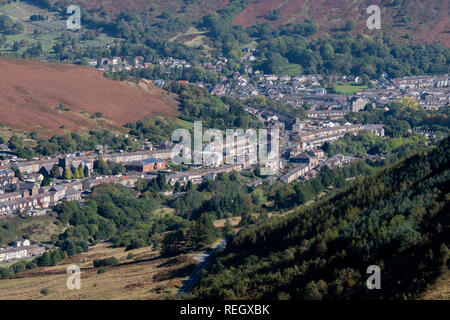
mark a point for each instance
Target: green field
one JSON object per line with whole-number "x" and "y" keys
{"x": 185, "y": 124}
{"x": 349, "y": 88}
{"x": 291, "y": 70}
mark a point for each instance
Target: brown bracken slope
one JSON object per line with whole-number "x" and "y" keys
{"x": 31, "y": 91}
{"x": 422, "y": 20}
{"x": 192, "y": 9}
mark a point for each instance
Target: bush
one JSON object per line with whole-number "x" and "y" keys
{"x": 45, "y": 291}
{"x": 111, "y": 261}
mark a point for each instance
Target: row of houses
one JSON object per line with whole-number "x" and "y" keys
{"x": 294, "y": 174}
{"x": 25, "y": 201}
{"x": 333, "y": 114}
{"x": 309, "y": 140}
{"x": 339, "y": 160}
{"x": 5, "y": 173}
{"x": 197, "y": 176}
{"x": 88, "y": 160}
{"x": 434, "y": 81}
{"x": 22, "y": 248}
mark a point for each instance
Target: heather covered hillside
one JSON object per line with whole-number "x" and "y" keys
{"x": 48, "y": 98}
{"x": 421, "y": 21}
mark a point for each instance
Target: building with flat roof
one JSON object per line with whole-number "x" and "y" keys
{"x": 358, "y": 104}
{"x": 146, "y": 165}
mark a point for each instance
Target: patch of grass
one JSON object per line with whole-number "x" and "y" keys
{"x": 440, "y": 289}
{"x": 292, "y": 70}
{"x": 349, "y": 88}
{"x": 164, "y": 211}
{"x": 38, "y": 229}
{"x": 183, "y": 124}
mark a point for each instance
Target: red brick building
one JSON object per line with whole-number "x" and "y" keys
{"x": 146, "y": 165}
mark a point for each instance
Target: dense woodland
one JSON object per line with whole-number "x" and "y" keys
{"x": 396, "y": 218}
{"x": 347, "y": 54}
{"x": 196, "y": 104}
{"x": 368, "y": 143}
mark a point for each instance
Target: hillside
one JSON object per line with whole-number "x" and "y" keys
{"x": 422, "y": 20}
{"x": 193, "y": 9}
{"x": 396, "y": 219}
{"x": 140, "y": 274}
{"x": 440, "y": 289}
{"x": 43, "y": 97}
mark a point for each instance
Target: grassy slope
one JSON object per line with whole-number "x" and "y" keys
{"x": 440, "y": 289}
{"x": 38, "y": 229}
{"x": 145, "y": 276}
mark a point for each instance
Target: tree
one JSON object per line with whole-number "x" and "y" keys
{"x": 44, "y": 260}
{"x": 204, "y": 231}
{"x": 365, "y": 79}
{"x": 175, "y": 242}
{"x": 46, "y": 182}
{"x": 258, "y": 197}
{"x": 135, "y": 244}
{"x": 141, "y": 185}
{"x": 55, "y": 257}
{"x": 161, "y": 181}
{"x": 100, "y": 166}
{"x": 55, "y": 173}
{"x": 67, "y": 174}
{"x": 153, "y": 186}
{"x": 16, "y": 46}
{"x": 8, "y": 27}
{"x": 75, "y": 174}
{"x": 312, "y": 292}
{"x": 81, "y": 171}
{"x": 177, "y": 187}
{"x": 273, "y": 15}
{"x": 350, "y": 25}
{"x": 17, "y": 173}
{"x": 86, "y": 172}
{"x": 227, "y": 229}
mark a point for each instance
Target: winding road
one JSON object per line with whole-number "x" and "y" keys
{"x": 206, "y": 260}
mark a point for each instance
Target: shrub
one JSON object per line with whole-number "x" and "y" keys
{"x": 111, "y": 261}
